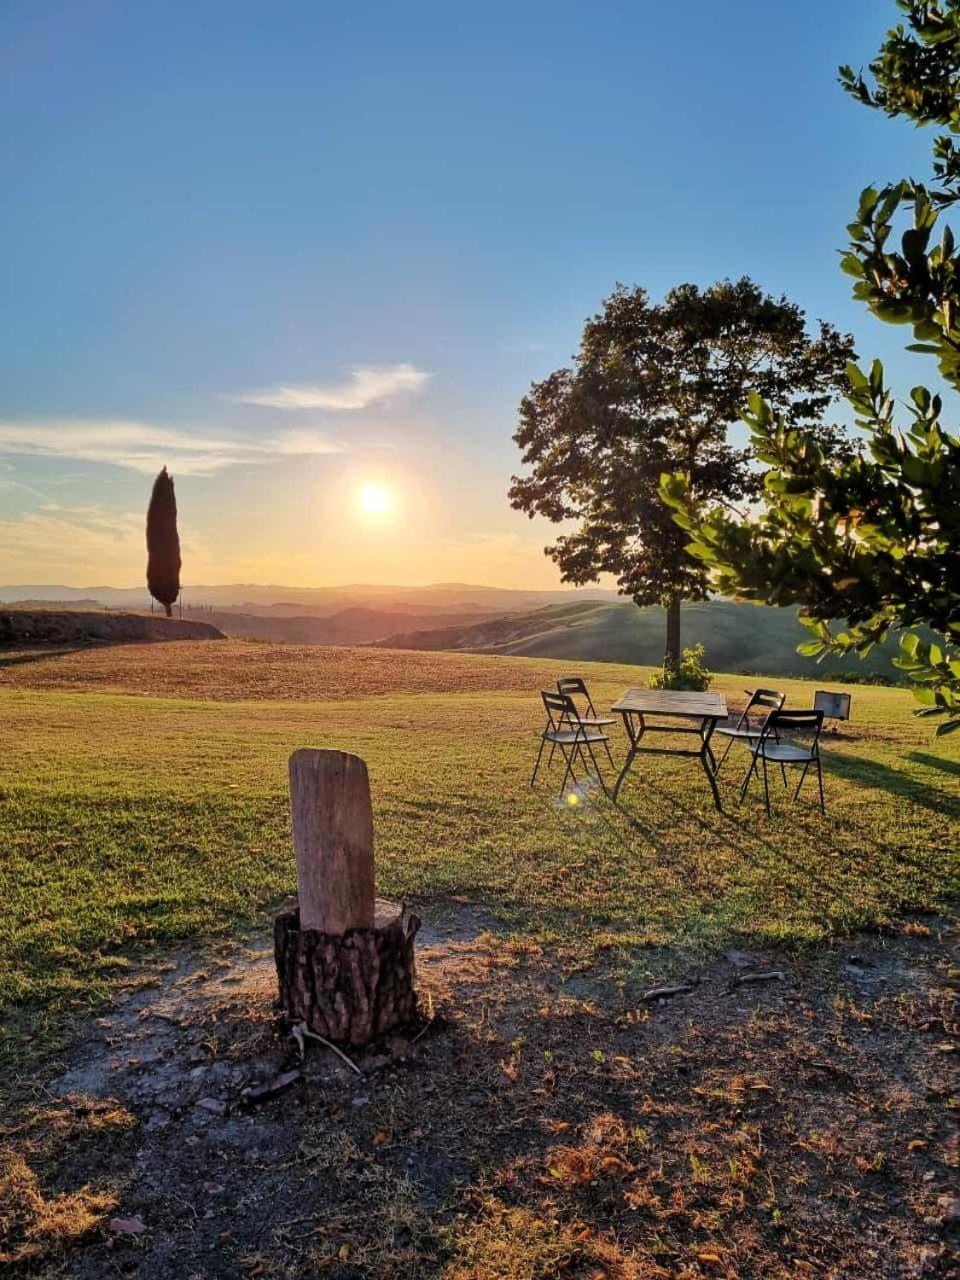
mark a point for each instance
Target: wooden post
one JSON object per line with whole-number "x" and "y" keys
{"x": 332, "y": 840}
{"x": 345, "y": 963}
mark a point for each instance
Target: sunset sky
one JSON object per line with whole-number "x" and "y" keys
{"x": 310, "y": 256}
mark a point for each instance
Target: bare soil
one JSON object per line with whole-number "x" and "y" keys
{"x": 536, "y": 1123}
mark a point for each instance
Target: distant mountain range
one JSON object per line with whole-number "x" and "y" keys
{"x": 450, "y": 598}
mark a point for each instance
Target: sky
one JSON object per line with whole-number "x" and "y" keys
{"x": 311, "y": 256}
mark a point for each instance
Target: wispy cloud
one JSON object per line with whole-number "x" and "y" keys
{"x": 140, "y": 446}
{"x": 364, "y": 386}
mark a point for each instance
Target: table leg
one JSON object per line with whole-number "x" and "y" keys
{"x": 634, "y": 737}
{"x": 709, "y": 762}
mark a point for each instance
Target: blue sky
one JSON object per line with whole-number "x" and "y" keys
{"x": 296, "y": 249}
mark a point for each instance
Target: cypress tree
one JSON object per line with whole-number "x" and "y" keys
{"x": 163, "y": 543}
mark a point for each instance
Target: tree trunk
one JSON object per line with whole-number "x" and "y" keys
{"x": 353, "y": 987}
{"x": 672, "y": 654}
{"x": 345, "y": 963}
{"x": 332, "y": 839}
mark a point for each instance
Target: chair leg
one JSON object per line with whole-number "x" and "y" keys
{"x": 766, "y": 786}
{"x": 747, "y": 776}
{"x": 726, "y": 752}
{"x": 596, "y": 767}
{"x": 537, "y": 765}
{"x": 796, "y": 794}
{"x": 609, "y": 755}
{"x": 569, "y": 770}
{"x": 823, "y": 806}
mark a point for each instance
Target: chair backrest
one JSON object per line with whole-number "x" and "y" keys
{"x": 769, "y": 699}
{"x": 559, "y": 707}
{"x": 800, "y": 724}
{"x": 576, "y": 684}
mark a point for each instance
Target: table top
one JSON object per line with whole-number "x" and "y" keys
{"x": 672, "y": 702}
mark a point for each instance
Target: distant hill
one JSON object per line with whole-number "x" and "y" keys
{"x": 28, "y": 628}
{"x": 348, "y": 626}
{"x": 737, "y": 637}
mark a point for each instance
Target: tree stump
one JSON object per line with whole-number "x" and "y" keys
{"x": 350, "y": 987}
{"x": 345, "y": 961}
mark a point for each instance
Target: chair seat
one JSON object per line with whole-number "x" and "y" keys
{"x": 567, "y": 737}
{"x": 731, "y": 732}
{"x": 785, "y": 753}
{"x": 597, "y": 720}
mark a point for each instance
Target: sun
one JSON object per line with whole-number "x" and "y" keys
{"x": 375, "y": 499}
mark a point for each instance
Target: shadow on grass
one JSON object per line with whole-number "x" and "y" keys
{"x": 19, "y": 659}
{"x": 936, "y": 762}
{"x": 897, "y": 783}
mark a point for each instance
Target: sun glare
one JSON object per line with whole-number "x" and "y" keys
{"x": 375, "y": 499}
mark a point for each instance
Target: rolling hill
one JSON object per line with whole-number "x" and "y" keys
{"x": 737, "y": 637}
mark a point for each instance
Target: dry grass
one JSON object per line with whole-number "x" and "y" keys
{"x": 242, "y": 670}
{"x": 37, "y": 1224}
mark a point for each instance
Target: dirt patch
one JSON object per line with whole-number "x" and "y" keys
{"x": 539, "y": 1127}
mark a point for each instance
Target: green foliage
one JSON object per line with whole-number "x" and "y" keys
{"x": 689, "y": 673}
{"x": 655, "y": 388}
{"x": 873, "y": 539}
{"x": 163, "y": 543}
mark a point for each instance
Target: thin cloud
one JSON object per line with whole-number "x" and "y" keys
{"x": 139, "y": 446}
{"x": 365, "y": 386}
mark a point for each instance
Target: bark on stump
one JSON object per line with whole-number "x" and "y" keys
{"x": 351, "y": 987}
{"x": 345, "y": 963}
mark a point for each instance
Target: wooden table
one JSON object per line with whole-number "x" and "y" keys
{"x": 636, "y": 706}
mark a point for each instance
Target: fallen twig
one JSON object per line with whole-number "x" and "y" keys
{"x": 302, "y": 1032}
{"x": 748, "y": 979}
{"x": 664, "y": 993}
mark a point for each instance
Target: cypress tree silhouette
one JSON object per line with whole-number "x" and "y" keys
{"x": 163, "y": 543}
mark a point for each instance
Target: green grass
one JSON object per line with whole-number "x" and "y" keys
{"x": 132, "y": 821}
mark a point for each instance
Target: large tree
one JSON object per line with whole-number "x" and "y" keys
{"x": 163, "y": 543}
{"x": 655, "y": 387}
{"x": 874, "y": 542}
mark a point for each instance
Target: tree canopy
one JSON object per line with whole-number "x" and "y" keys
{"x": 875, "y": 539}
{"x": 655, "y": 387}
{"x": 163, "y": 543}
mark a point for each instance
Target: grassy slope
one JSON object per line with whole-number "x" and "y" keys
{"x": 128, "y": 820}
{"x": 737, "y": 637}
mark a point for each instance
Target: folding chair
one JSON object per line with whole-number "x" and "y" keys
{"x": 745, "y": 730}
{"x": 775, "y": 743}
{"x": 566, "y": 731}
{"x": 576, "y": 686}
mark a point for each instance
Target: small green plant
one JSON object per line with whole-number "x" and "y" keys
{"x": 688, "y": 673}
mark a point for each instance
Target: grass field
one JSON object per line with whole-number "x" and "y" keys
{"x": 552, "y": 1125}
{"x": 129, "y": 820}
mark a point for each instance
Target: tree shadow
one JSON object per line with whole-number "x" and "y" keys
{"x": 936, "y": 762}
{"x": 20, "y": 658}
{"x": 895, "y": 782}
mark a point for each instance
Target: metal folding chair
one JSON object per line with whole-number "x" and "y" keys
{"x": 745, "y": 729}
{"x": 566, "y": 732}
{"x": 777, "y": 742}
{"x": 576, "y": 687}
